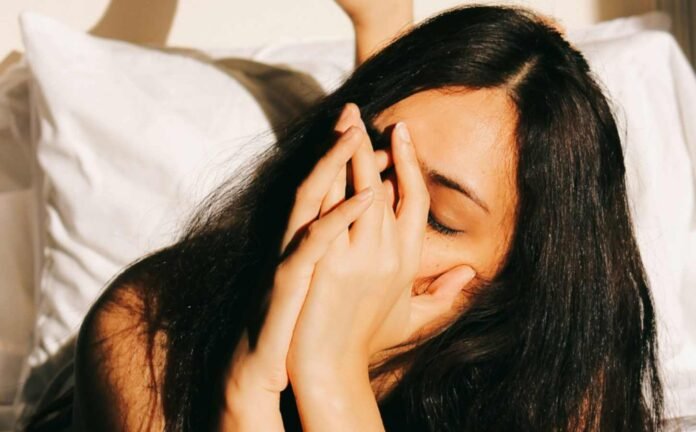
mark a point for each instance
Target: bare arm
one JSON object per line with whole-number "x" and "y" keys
{"x": 118, "y": 383}
{"x": 376, "y": 23}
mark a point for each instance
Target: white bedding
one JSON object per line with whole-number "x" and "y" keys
{"x": 97, "y": 105}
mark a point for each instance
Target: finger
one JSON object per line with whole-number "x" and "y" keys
{"x": 336, "y": 194}
{"x": 320, "y": 233}
{"x": 348, "y": 117}
{"x": 293, "y": 276}
{"x": 312, "y": 191}
{"x": 365, "y": 174}
{"x": 439, "y": 302}
{"x": 383, "y": 159}
{"x": 390, "y": 233}
{"x": 391, "y": 190}
{"x": 414, "y": 200}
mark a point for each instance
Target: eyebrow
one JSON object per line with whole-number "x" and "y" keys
{"x": 381, "y": 140}
{"x": 448, "y": 182}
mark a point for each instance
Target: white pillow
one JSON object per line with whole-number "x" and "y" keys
{"x": 620, "y": 27}
{"x": 654, "y": 90}
{"x": 131, "y": 138}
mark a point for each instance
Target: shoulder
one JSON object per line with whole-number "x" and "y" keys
{"x": 119, "y": 359}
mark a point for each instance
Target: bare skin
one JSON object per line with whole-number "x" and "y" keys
{"x": 468, "y": 137}
{"x": 376, "y": 23}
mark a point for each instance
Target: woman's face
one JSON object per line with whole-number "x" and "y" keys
{"x": 466, "y": 148}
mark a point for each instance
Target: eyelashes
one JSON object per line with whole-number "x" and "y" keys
{"x": 442, "y": 229}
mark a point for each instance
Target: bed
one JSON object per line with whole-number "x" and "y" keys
{"x": 105, "y": 146}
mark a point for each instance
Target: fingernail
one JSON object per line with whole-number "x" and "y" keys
{"x": 364, "y": 194}
{"x": 403, "y": 132}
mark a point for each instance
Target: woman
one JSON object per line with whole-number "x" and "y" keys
{"x": 483, "y": 276}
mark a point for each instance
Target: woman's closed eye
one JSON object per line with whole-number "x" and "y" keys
{"x": 439, "y": 227}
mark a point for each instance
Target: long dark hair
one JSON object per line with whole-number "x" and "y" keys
{"x": 564, "y": 336}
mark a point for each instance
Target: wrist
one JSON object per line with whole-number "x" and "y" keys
{"x": 325, "y": 367}
{"x": 337, "y": 398}
{"x": 246, "y": 395}
{"x": 330, "y": 381}
{"x": 251, "y": 411}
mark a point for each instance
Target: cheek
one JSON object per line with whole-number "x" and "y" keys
{"x": 440, "y": 254}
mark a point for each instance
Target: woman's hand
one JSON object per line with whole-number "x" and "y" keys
{"x": 360, "y": 298}
{"x": 256, "y": 378}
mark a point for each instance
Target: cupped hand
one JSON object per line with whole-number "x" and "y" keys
{"x": 360, "y": 296}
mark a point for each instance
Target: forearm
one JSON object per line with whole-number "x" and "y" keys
{"x": 373, "y": 33}
{"x": 337, "y": 400}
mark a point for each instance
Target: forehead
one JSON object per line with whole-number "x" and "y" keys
{"x": 465, "y": 134}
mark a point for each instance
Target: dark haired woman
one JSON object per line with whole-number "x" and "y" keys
{"x": 442, "y": 243}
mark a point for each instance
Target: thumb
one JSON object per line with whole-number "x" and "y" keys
{"x": 437, "y": 302}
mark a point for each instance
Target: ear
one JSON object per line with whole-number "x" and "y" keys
{"x": 437, "y": 302}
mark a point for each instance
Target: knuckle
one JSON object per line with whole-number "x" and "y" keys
{"x": 265, "y": 371}
{"x": 379, "y": 195}
{"x": 314, "y": 231}
{"x": 390, "y": 265}
{"x": 276, "y": 379}
{"x": 349, "y": 135}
